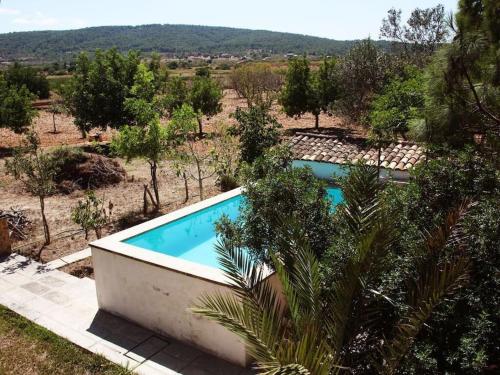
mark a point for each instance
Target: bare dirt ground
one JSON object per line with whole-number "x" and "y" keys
{"x": 127, "y": 211}
{"x": 125, "y": 196}
{"x": 68, "y": 134}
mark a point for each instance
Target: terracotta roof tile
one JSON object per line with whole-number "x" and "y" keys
{"x": 330, "y": 149}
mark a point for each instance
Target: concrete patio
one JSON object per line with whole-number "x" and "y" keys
{"x": 67, "y": 306}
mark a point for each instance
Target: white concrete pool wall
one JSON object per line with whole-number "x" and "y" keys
{"x": 157, "y": 290}
{"x": 327, "y": 171}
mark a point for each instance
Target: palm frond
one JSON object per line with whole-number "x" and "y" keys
{"x": 256, "y": 328}
{"x": 437, "y": 279}
{"x": 434, "y": 285}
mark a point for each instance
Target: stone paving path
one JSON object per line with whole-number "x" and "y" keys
{"x": 67, "y": 306}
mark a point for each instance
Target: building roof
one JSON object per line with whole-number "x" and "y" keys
{"x": 399, "y": 155}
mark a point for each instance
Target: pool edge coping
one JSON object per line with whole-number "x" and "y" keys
{"x": 113, "y": 243}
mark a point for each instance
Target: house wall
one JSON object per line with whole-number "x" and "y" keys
{"x": 160, "y": 299}
{"x": 327, "y": 171}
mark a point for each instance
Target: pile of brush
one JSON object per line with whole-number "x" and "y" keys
{"x": 19, "y": 224}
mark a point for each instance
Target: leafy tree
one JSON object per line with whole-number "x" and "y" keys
{"x": 149, "y": 142}
{"x": 464, "y": 78}
{"x": 56, "y": 108}
{"x": 18, "y": 76}
{"x": 307, "y": 91}
{"x": 285, "y": 331}
{"x": 401, "y": 102}
{"x": 226, "y": 157}
{"x": 90, "y": 214}
{"x": 297, "y": 91}
{"x": 177, "y": 94}
{"x": 257, "y": 131}
{"x": 96, "y": 94}
{"x": 257, "y": 83}
{"x": 461, "y": 337}
{"x": 301, "y": 327}
{"x": 325, "y": 87}
{"x": 190, "y": 151}
{"x": 276, "y": 187}
{"x": 362, "y": 73}
{"x": 36, "y": 170}
{"x": 425, "y": 32}
{"x": 160, "y": 74}
{"x": 16, "y": 111}
{"x": 205, "y": 98}
{"x": 204, "y": 71}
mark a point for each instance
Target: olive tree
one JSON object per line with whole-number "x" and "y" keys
{"x": 16, "y": 111}
{"x": 36, "y": 170}
{"x": 205, "y": 98}
{"x": 257, "y": 83}
{"x": 193, "y": 153}
{"x": 151, "y": 143}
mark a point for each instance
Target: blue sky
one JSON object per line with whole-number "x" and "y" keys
{"x": 336, "y": 19}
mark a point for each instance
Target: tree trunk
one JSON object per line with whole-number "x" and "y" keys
{"x": 186, "y": 188}
{"x": 200, "y": 179}
{"x": 54, "y": 122}
{"x": 98, "y": 232}
{"x": 154, "y": 181}
{"x": 378, "y": 161}
{"x": 46, "y": 231}
{"x": 145, "y": 201}
{"x": 316, "y": 123}
{"x": 84, "y": 133}
{"x": 200, "y": 127}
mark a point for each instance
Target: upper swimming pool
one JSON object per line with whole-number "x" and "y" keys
{"x": 193, "y": 236}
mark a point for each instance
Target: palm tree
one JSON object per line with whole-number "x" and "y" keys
{"x": 297, "y": 326}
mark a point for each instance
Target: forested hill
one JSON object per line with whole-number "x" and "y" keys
{"x": 179, "y": 39}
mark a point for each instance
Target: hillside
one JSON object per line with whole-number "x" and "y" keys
{"x": 177, "y": 39}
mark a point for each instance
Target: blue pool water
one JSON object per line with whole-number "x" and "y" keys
{"x": 193, "y": 237}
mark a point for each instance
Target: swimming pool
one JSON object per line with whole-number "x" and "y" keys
{"x": 193, "y": 237}
{"x": 153, "y": 273}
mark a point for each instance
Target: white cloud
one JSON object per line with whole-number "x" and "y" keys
{"x": 36, "y": 20}
{"x": 9, "y": 11}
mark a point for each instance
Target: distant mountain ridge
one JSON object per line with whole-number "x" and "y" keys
{"x": 174, "y": 39}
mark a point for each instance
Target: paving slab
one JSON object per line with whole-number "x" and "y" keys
{"x": 67, "y": 306}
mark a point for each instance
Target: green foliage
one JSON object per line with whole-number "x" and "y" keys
{"x": 97, "y": 92}
{"x": 286, "y": 331}
{"x": 151, "y": 143}
{"x": 326, "y": 85}
{"x": 424, "y": 32}
{"x": 160, "y": 73}
{"x": 401, "y": 102}
{"x": 177, "y": 94}
{"x": 16, "y": 112}
{"x": 226, "y": 157}
{"x": 90, "y": 214}
{"x": 190, "y": 153}
{"x": 205, "y": 98}
{"x": 293, "y": 193}
{"x": 348, "y": 319}
{"x": 464, "y": 78}
{"x": 297, "y": 92}
{"x": 257, "y": 131}
{"x": 462, "y": 335}
{"x": 204, "y": 71}
{"x": 307, "y": 91}
{"x": 362, "y": 73}
{"x": 175, "y": 39}
{"x": 18, "y": 76}
{"x": 36, "y": 170}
